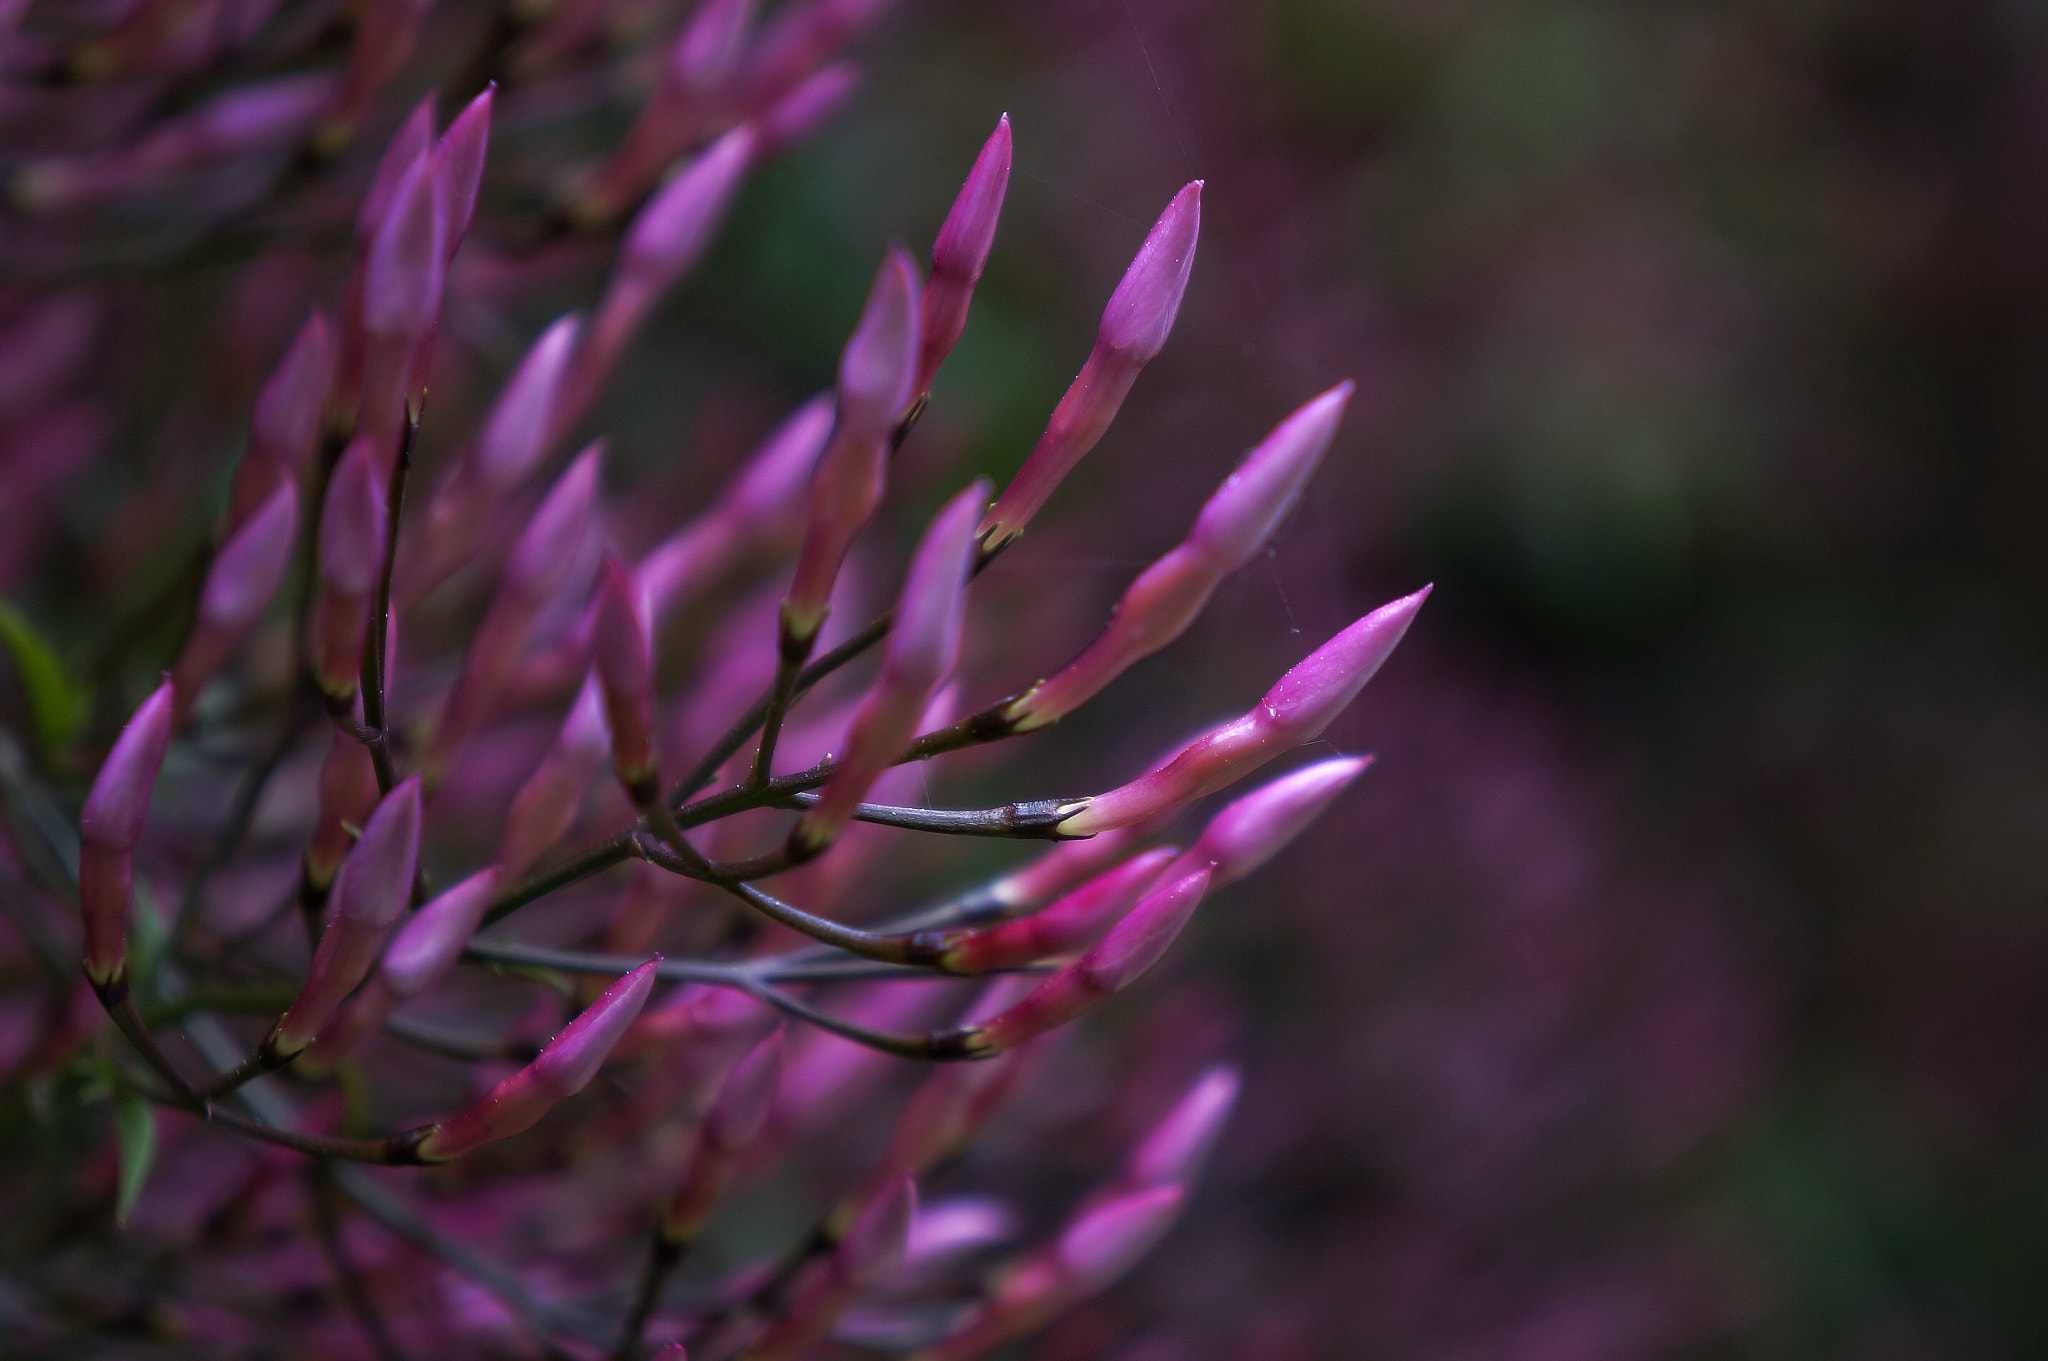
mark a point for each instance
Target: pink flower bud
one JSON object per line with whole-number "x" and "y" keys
{"x": 1077, "y": 920}
{"x": 239, "y": 583}
{"x": 1296, "y": 710}
{"x": 1251, "y": 831}
{"x": 539, "y": 563}
{"x": 546, "y": 805}
{"x": 1060, "y": 867}
{"x": 458, "y": 168}
{"x": 712, "y": 43}
{"x": 924, "y": 643}
{"x": 805, "y": 109}
{"x": 352, "y": 528}
{"x": 875, "y": 372}
{"x": 799, "y": 38}
{"x": 110, "y": 825}
{"x": 1168, "y": 595}
{"x": 413, "y": 141}
{"x": 625, "y": 670}
{"x": 430, "y": 942}
{"x": 730, "y": 1128}
{"x": 514, "y": 435}
{"x": 663, "y": 242}
{"x": 870, "y": 1251}
{"x": 947, "y": 1233}
{"x": 370, "y": 894}
{"x": 285, "y": 429}
{"x": 961, "y": 251}
{"x": 1175, "y": 1148}
{"x": 1132, "y": 946}
{"x": 564, "y": 1067}
{"x": 762, "y": 502}
{"x": 953, "y": 1102}
{"x": 403, "y": 273}
{"x": 1134, "y": 329}
{"x": 348, "y": 791}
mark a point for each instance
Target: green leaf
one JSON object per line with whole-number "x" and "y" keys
{"x": 135, "y": 1128}
{"x": 56, "y": 707}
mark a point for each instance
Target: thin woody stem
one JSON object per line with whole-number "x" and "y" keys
{"x": 239, "y": 817}
{"x": 789, "y": 667}
{"x": 775, "y": 969}
{"x": 377, "y": 655}
{"x": 327, "y": 1223}
{"x": 664, "y": 1254}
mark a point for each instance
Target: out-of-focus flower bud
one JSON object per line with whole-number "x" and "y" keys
{"x": 348, "y": 791}
{"x": 370, "y": 893}
{"x": 1173, "y": 1151}
{"x": 564, "y": 1067}
{"x": 798, "y": 39}
{"x": 733, "y": 1123}
{"x": 458, "y": 169}
{"x": 1252, "y": 830}
{"x": 110, "y": 825}
{"x": 665, "y": 240}
{"x": 1168, "y": 595}
{"x": 1296, "y": 710}
{"x": 239, "y": 583}
{"x": 351, "y": 553}
{"x": 1075, "y": 921}
{"x": 924, "y": 643}
{"x": 1132, "y": 946}
{"x": 875, "y": 373}
{"x": 1094, "y": 1251}
{"x": 284, "y": 432}
{"x": 539, "y": 563}
{"x": 546, "y": 804}
{"x": 1134, "y": 329}
{"x": 384, "y": 38}
{"x": 625, "y": 671}
{"x": 871, "y": 1250}
{"x": 762, "y": 502}
{"x": 961, "y": 251}
{"x": 804, "y": 110}
{"x": 404, "y": 270}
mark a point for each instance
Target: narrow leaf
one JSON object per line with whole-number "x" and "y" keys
{"x": 56, "y": 707}
{"x": 135, "y": 1129}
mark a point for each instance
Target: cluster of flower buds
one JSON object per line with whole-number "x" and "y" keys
{"x": 432, "y": 805}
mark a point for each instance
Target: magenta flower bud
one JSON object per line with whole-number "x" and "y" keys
{"x": 370, "y": 893}
{"x": 764, "y": 501}
{"x": 953, "y": 1102}
{"x": 239, "y": 583}
{"x": 875, "y": 373}
{"x": 546, "y": 805}
{"x": 110, "y": 825}
{"x": 538, "y": 565}
{"x": 1059, "y": 867}
{"x": 1134, "y": 329}
{"x": 1077, "y": 920}
{"x": 735, "y": 1121}
{"x": 1255, "y": 828}
{"x": 799, "y": 38}
{"x": 348, "y": 791}
{"x": 285, "y": 429}
{"x": 413, "y": 141}
{"x": 945, "y": 1234}
{"x": 1167, "y": 596}
{"x": 625, "y": 670}
{"x": 352, "y": 528}
{"x": 403, "y": 273}
{"x": 1296, "y": 710}
{"x": 458, "y": 168}
{"x": 867, "y": 1255}
{"x": 564, "y": 1068}
{"x": 961, "y": 251}
{"x": 1132, "y": 946}
{"x": 712, "y": 43}
{"x": 805, "y": 109}
{"x": 924, "y": 643}
{"x": 1173, "y": 1151}
{"x": 663, "y": 242}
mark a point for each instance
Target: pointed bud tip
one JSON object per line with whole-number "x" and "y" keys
{"x": 119, "y": 802}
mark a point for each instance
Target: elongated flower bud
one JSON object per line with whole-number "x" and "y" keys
{"x": 384, "y": 38}
{"x": 625, "y": 670}
{"x": 961, "y": 251}
{"x": 1077, "y": 920}
{"x": 348, "y": 791}
{"x": 239, "y": 583}
{"x": 458, "y": 168}
{"x": 924, "y": 643}
{"x": 1172, "y": 1151}
{"x": 762, "y": 502}
{"x": 539, "y": 563}
{"x": 424, "y": 949}
{"x": 1134, "y": 329}
{"x": 110, "y": 825}
{"x": 351, "y": 544}
{"x": 875, "y": 373}
{"x": 403, "y": 273}
{"x": 666, "y": 238}
{"x": 1252, "y": 830}
{"x": 1132, "y": 946}
{"x": 413, "y": 141}
{"x": 1296, "y": 710}
{"x": 733, "y": 1123}
{"x": 546, "y": 805}
{"x": 1056, "y": 869}
{"x": 1167, "y": 596}
{"x": 868, "y": 1253}
{"x": 370, "y": 893}
{"x": 805, "y": 109}
{"x": 799, "y": 37}
{"x": 1094, "y": 1251}
{"x": 285, "y": 429}
{"x": 564, "y": 1068}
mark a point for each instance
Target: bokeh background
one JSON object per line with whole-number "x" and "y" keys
{"x": 1676, "y": 984}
